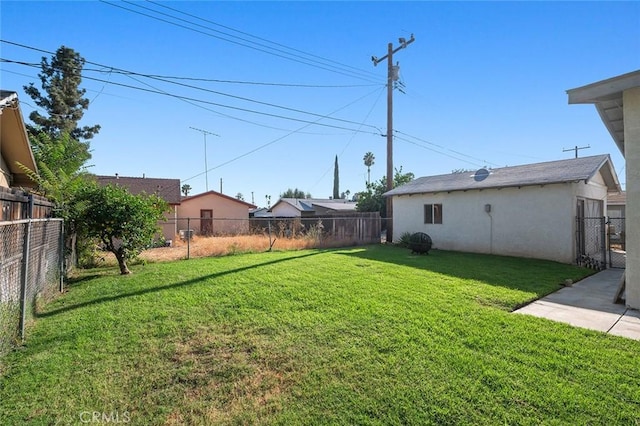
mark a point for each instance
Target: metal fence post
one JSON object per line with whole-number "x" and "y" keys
{"x": 188, "y": 237}
{"x": 25, "y": 277}
{"x": 603, "y": 235}
{"x": 61, "y": 256}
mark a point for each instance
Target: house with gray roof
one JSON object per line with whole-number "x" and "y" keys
{"x": 526, "y": 211}
{"x": 309, "y": 207}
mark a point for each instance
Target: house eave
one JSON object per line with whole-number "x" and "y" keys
{"x": 607, "y": 96}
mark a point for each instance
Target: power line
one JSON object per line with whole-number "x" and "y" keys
{"x": 444, "y": 148}
{"x": 214, "y": 103}
{"x": 261, "y": 49}
{"x": 436, "y": 151}
{"x": 269, "y": 143}
{"x": 265, "y": 40}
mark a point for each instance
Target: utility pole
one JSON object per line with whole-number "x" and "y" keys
{"x": 576, "y": 148}
{"x": 392, "y": 75}
{"x": 206, "y": 168}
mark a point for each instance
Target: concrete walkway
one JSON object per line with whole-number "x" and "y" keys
{"x": 589, "y": 304}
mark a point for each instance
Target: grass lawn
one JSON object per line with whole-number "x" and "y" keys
{"x": 369, "y": 335}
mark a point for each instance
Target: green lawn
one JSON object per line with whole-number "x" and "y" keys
{"x": 369, "y": 335}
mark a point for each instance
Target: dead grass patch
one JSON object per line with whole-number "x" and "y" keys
{"x": 225, "y": 378}
{"x": 223, "y": 246}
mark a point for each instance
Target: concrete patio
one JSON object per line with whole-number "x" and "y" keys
{"x": 589, "y": 304}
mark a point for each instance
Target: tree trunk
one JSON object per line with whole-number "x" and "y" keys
{"x": 122, "y": 263}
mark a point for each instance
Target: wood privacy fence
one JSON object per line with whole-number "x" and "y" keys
{"x": 343, "y": 230}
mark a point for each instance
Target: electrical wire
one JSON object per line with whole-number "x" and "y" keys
{"x": 218, "y": 104}
{"x": 113, "y": 69}
{"x": 262, "y": 39}
{"x": 232, "y": 41}
{"x": 485, "y": 162}
{"x": 436, "y": 151}
{"x": 350, "y": 139}
{"x": 270, "y": 143}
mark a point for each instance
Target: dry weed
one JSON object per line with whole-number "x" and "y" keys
{"x": 200, "y": 246}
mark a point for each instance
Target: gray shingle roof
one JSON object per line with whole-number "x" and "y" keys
{"x": 167, "y": 189}
{"x": 307, "y": 204}
{"x": 572, "y": 170}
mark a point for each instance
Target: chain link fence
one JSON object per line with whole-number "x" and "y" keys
{"x": 31, "y": 261}
{"x": 268, "y": 232}
{"x": 616, "y": 235}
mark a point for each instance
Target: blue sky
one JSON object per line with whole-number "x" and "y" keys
{"x": 287, "y": 86}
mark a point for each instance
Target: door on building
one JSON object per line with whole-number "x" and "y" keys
{"x": 206, "y": 222}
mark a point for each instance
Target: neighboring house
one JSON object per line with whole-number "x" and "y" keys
{"x": 525, "y": 211}
{"x": 617, "y": 101}
{"x": 616, "y": 203}
{"x": 309, "y": 207}
{"x": 260, "y": 213}
{"x": 167, "y": 189}
{"x": 213, "y": 213}
{"x": 15, "y": 148}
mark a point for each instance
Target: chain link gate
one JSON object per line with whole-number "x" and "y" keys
{"x": 591, "y": 242}
{"x": 617, "y": 244}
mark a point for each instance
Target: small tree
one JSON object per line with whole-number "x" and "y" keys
{"x": 372, "y": 199}
{"x": 124, "y": 223}
{"x": 239, "y": 196}
{"x": 60, "y": 153}
{"x": 186, "y": 188}
{"x": 295, "y": 193}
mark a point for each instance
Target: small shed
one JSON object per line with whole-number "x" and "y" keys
{"x": 526, "y": 211}
{"x": 213, "y": 213}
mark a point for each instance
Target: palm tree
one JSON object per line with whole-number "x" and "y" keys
{"x": 369, "y": 160}
{"x": 185, "y": 189}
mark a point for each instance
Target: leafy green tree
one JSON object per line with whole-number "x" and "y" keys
{"x": 186, "y": 188}
{"x": 62, "y": 99}
{"x": 369, "y": 160}
{"x": 336, "y": 181}
{"x": 295, "y": 193}
{"x": 124, "y": 223}
{"x": 372, "y": 199}
{"x": 239, "y": 196}
{"x": 60, "y": 153}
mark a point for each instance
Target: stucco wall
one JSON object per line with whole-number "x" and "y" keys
{"x": 631, "y": 105}
{"x": 534, "y": 221}
{"x": 168, "y": 228}
{"x": 285, "y": 210}
{"x": 229, "y": 216}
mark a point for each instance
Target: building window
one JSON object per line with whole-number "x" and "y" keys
{"x": 433, "y": 213}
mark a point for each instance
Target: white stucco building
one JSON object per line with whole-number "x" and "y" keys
{"x": 617, "y": 101}
{"x": 525, "y": 211}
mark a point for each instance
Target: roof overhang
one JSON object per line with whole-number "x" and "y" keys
{"x": 607, "y": 97}
{"x": 14, "y": 142}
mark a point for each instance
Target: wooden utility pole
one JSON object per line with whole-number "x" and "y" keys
{"x": 392, "y": 75}
{"x": 576, "y": 148}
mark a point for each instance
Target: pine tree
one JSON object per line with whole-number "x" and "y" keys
{"x": 62, "y": 98}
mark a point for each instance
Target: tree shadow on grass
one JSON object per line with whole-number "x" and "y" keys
{"x": 162, "y": 287}
{"x": 531, "y": 275}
